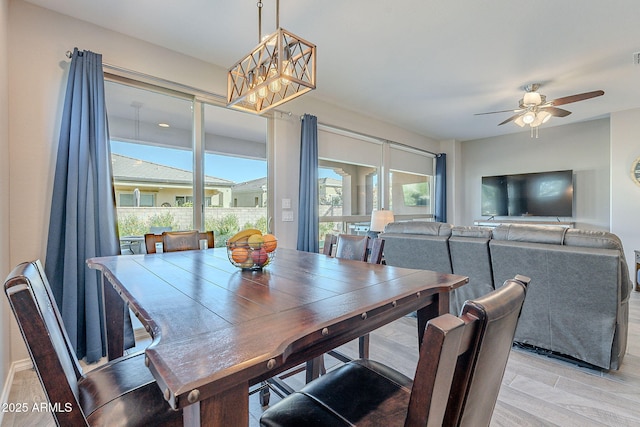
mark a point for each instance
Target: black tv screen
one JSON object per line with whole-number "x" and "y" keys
{"x": 528, "y": 194}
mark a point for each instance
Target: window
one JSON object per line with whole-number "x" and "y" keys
{"x": 129, "y": 200}
{"x": 235, "y": 172}
{"x": 410, "y": 181}
{"x": 184, "y": 201}
{"x": 163, "y": 170}
{"x": 350, "y": 185}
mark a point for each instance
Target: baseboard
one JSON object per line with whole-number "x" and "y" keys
{"x": 17, "y": 366}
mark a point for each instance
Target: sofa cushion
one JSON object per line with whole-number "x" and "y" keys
{"x": 471, "y": 231}
{"x": 592, "y": 239}
{"x": 469, "y": 249}
{"x": 605, "y": 240}
{"x": 548, "y": 234}
{"x": 419, "y": 227}
{"x": 572, "y": 301}
{"x": 417, "y": 251}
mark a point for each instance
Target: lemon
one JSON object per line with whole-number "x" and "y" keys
{"x": 255, "y": 241}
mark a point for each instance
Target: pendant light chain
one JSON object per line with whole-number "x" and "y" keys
{"x": 259, "y": 21}
{"x": 281, "y": 67}
{"x": 259, "y": 4}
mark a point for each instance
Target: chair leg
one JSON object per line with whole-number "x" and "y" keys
{"x": 265, "y": 393}
{"x": 363, "y": 347}
{"x": 315, "y": 368}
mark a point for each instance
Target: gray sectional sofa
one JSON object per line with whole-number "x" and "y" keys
{"x": 577, "y": 301}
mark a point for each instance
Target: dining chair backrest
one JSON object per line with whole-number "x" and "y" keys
{"x": 173, "y": 241}
{"x": 329, "y": 243}
{"x": 121, "y": 391}
{"x": 376, "y": 251}
{"x": 459, "y": 372}
{"x": 352, "y": 247}
{"x": 462, "y": 386}
{"x": 159, "y": 230}
{"x": 40, "y": 322}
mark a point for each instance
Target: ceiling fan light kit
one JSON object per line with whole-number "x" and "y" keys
{"x": 534, "y": 110}
{"x": 281, "y": 68}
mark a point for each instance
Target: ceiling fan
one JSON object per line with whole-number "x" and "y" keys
{"x": 534, "y": 109}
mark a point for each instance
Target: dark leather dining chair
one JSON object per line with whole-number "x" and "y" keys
{"x": 349, "y": 246}
{"x": 377, "y": 247}
{"x": 329, "y": 243}
{"x": 173, "y": 241}
{"x": 458, "y": 376}
{"x": 356, "y": 248}
{"x": 121, "y": 392}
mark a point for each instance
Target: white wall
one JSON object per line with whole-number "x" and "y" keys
{"x": 37, "y": 76}
{"x": 625, "y": 194}
{"x": 600, "y": 152}
{"x": 583, "y": 147}
{"x": 5, "y": 347}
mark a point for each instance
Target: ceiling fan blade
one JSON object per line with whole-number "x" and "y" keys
{"x": 494, "y": 112}
{"x": 576, "y": 98}
{"x": 556, "y": 112}
{"x": 510, "y": 119}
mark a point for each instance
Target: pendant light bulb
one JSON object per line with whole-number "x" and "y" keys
{"x": 287, "y": 66}
{"x": 275, "y": 86}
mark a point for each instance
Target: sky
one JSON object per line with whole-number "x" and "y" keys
{"x": 235, "y": 169}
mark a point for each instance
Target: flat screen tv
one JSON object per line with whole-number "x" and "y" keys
{"x": 528, "y": 194}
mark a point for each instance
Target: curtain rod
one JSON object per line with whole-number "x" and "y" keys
{"x": 147, "y": 78}
{"x": 362, "y": 135}
{"x": 164, "y": 83}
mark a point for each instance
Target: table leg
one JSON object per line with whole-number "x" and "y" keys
{"x": 230, "y": 408}
{"x": 114, "y": 320}
{"x": 439, "y": 306}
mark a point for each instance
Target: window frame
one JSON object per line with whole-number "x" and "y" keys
{"x": 200, "y": 99}
{"x": 385, "y": 148}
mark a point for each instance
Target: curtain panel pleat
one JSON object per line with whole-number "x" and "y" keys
{"x": 440, "y": 208}
{"x": 82, "y": 222}
{"x": 308, "y": 219}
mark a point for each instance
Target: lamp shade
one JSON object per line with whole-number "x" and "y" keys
{"x": 379, "y": 219}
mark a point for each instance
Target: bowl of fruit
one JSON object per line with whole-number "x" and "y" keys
{"x": 250, "y": 249}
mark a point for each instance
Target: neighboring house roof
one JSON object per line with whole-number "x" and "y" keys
{"x": 255, "y": 185}
{"x": 128, "y": 169}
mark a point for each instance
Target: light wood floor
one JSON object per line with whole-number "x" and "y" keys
{"x": 536, "y": 390}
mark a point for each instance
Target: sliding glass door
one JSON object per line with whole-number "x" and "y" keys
{"x": 235, "y": 172}
{"x": 182, "y": 164}
{"x": 358, "y": 174}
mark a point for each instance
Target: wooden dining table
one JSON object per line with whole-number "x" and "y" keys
{"x": 216, "y": 329}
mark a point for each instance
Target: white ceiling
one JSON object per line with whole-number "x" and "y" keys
{"x": 425, "y": 65}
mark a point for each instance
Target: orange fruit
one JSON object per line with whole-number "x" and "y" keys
{"x": 270, "y": 242}
{"x": 240, "y": 255}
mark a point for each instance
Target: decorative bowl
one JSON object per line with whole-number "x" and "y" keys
{"x": 251, "y": 256}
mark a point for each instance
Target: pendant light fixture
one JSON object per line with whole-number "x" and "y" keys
{"x": 281, "y": 68}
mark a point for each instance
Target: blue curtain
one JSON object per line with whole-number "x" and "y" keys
{"x": 82, "y": 222}
{"x": 308, "y": 196}
{"x": 440, "y": 207}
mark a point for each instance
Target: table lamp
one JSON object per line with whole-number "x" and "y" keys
{"x": 379, "y": 219}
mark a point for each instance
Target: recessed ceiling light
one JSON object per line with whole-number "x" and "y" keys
{"x": 163, "y": 125}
